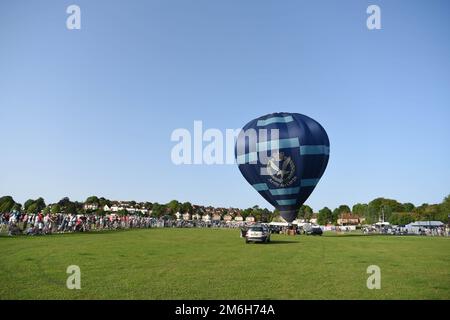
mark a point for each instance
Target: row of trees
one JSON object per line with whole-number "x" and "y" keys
{"x": 389, "y": 209}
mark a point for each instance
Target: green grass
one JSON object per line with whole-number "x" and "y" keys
{"x": 217, "y": 264}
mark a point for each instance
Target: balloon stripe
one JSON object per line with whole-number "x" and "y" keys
{"x": 247, "y": 158}
{"x": 314, "y": 149}
{"x": 260, "y": 186}
{"x": 265, "y": 122}
{"x": 309, "y": 182}
{"x": 278, "y": 144}
{"x": 287, "y": 202}
{"x": 266, "y": 146}
{"x": 284, "y": 191}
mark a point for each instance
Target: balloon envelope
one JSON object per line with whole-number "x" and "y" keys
{"x": 283, "y": 156}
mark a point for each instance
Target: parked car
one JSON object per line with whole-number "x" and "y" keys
{"x": 314, "y": 231}
{"x": 257, "y": 233}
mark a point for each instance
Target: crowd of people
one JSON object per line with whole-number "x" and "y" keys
{"x": 402, "y": 231}
{"x": 40, "y": 224}
{"x": 17, "y": 223}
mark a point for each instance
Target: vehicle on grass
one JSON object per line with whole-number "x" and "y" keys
{"x": 257, "y": 233}
{"x": 313, "y": 231}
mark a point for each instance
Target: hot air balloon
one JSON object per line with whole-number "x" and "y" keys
{"x": 283, "y": 156}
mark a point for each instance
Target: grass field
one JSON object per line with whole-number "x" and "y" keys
{"x": 217, "y": 264}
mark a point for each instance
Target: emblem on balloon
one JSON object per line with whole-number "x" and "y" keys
{"x": 281, "y": 169}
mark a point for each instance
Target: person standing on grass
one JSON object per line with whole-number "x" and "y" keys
{"x": 25, "y": 221}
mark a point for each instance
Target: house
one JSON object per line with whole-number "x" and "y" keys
{"x": 196, "y": 216}
{"x": 115, "y": 208}
{"x": 206, "y": 217}
{"x": 90, "y": 206}
{"x": 131, "y": 210}
{"x": 250, "y": 219}
{"x": 216, "y": 217}
{"x": 238, "y": 218}
{"x": 228, "y": 217}
{"x": 106, "y": 208}
{"x": 186, "y": 216}
{"x": 178, "y": 216}
{"x": 348, "y": 219}
{"x": 313, "y": 219}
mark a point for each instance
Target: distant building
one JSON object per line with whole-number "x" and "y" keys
{"x": 131, "y": 210}
{"x": 313, "y": 219}
{"x": 250, "y": 219}
{"x": 186, "y": 216}
{"x": 418, "y": 226}
{"x": 115, "y": 208}
{"x": 90, "y": 206}
{"x": 106, "y": 208}
{"x": 348, "y": 219}
{"x": 216, "y": 217}
{"x": 238, "y": 218}
{"x": 206, "y": 217}
{"x": 227, "y": 217}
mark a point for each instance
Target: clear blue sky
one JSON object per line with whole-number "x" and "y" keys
{"x": 91, "y": 111}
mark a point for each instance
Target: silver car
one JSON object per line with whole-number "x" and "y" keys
{"x": 257, "y": 233}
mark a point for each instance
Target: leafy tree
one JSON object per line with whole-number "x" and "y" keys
{"x": 338, "y": 211}
{"x": 408, "y": 207}
{"x": 27, "y": 204}
{"x": 443, "y": 210}
{"x": 173, "y": 207}
{"x": 445, "y": 205}
{"x": 7, "y": 204}
{"x": 64, "y": 202}
{"x": 186, "y": 207}
{"x": 104, "y": 202}
{"x": 35, "y": 206}
{"x": 70, "y": 208}
{"x": 335, "y": 215}
{"x": 16, "y": 207}
{"x": 401, "y": 218}
{"x": 382, "y": 206}
{"x": 343, "y": 208}
{"x": 325, "y": 216}
{"x": 246, "y": 212}
{"x": 92, "y": 200}
{"x": 158, "y": 210}
{"x": 32, "y": 208}
{"x": 256, "y": 213}
{"x": 265, "y": 215}
{"x": 56, "y": 208}
{"x": 360, "y": 209}
{"x": 305, "y": 212}
{"x": 40, "y": 204}
{"x": 148, "y": 205}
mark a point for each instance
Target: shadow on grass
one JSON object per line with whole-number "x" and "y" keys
{"x": 281, "y": 242}
{"x": 68, "y": 234}
{"x": 348, "y": 235}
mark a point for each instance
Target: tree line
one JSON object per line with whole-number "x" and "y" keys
{"x": 380, "y": 208}
{"x": 389, "y": 210}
